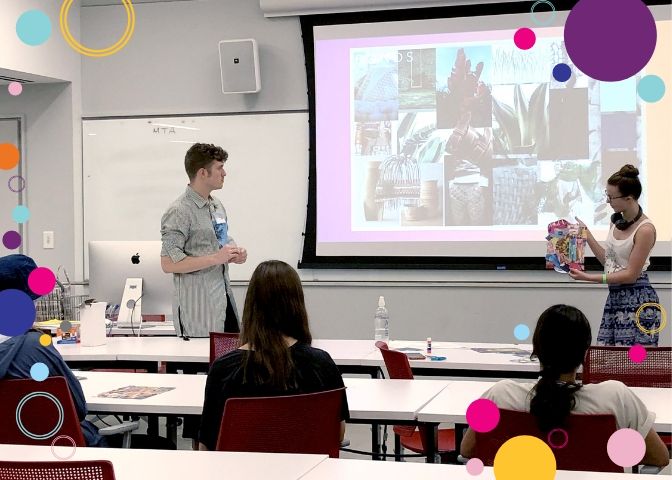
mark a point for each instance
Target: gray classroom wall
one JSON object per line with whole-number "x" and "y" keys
{"x": 52, "y": 112}
{"x": 171, "y": 67}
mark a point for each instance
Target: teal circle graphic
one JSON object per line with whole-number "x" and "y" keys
{"x": 547, "y": 22}
{"x": 521, "y": 331}
{"x": 21, "y": 214}
{"x": 54, "y": 430}
{"x": 33, "y": 27}
{"x": 39, "y": 371}
{"x": 651, "y": 88}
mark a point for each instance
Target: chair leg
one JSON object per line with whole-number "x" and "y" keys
{"x": 397, "y": 448}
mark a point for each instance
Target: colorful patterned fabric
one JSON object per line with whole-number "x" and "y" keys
{"x": 619, "y": 326}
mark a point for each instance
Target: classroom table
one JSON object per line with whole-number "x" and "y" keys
{"x": 351, "y": 356}
{"x": 132, "y": 464}
{"x": 371, "y": 401}
{"x": 450, "y": 405}
{"x": 342, "y": 469}
{"x": 491, "y": 360}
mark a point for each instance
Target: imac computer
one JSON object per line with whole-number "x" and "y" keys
{"x": 128, "y": 274}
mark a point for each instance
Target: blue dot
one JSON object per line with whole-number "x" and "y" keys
{"x": 33, "y": 27}
{"x": 521, "y": 331}
{"x": 39, "y": 371}
{"x": 651, "y": 88}
{"x": 562, "y": 72}
{"x": 17, "y": 312}
{"x": 21, "y": 214}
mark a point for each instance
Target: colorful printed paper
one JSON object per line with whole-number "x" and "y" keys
{"x": 566, "y": 246}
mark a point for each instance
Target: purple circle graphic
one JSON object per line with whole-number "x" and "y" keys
{"x": 20, "y": 181}
{"x": 17, "y": 312}
{"x": 610, "y": 41}
{"x": 11, "y": 239}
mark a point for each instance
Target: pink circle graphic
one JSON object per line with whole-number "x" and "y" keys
{"x": 557, "y": 445}
{"x": 474, "y": 466}
{"x": 65, "y": 437}
{"x": 626, "y": 447}
{"x": 524, "y": 38}
{"x": 41, "y": 280}
{"x": 482, "y": 415}
{"x": 15, "y": 88}
{"x": 637, "y": 353}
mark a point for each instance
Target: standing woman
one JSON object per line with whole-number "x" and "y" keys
{"x": 626, "y": 257}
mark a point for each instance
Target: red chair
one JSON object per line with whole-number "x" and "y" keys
{"x": 222, "y": 343}
{"x": 613, "y": 363}
{"x": 61, "y": 470}
{"x": 45, "y": 410}
{"x": 586, "y": 447}
{"x": 407, "y": 436}
{"x": 304, "y": 423}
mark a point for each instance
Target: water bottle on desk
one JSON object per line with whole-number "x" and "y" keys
{"x": 381, "y": 322}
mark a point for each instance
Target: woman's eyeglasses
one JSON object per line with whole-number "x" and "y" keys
{"x": 609, "y": 198}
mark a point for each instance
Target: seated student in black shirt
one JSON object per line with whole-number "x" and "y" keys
{"x": 275, "y": 357}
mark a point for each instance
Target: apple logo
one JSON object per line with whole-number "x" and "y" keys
{"x": 135, "y": 259}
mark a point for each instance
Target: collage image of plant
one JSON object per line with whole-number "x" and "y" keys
{"x": 484, "y": 135}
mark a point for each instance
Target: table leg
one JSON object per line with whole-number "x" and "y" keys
{"x": 432, "y": 441}
{"x": 375, "y": 441}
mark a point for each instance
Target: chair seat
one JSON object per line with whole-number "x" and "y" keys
{"x": 446, "y": 441}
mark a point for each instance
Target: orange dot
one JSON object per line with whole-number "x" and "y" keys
{"x": 9, "y": 156}
{"x": 45, "y": 340}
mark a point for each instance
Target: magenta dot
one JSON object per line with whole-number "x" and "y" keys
{"x": 11, "y": 239}
{"x": 637, "y": 353}
{"x": 41, "y": 280}
{"x": 524, "y": 38}
{"x": 626, "y": 447}
{"x": 15, "y": 88}
{"x": 474, "y": 466}
{"x": 482, "y": 415}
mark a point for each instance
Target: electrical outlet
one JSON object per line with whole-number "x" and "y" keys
{"x": 48, "y": 239}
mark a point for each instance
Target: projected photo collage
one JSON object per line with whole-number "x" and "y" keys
{"x": 483, "y": 135}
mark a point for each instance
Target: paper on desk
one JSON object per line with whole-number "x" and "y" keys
{"x": 134, "y": 392}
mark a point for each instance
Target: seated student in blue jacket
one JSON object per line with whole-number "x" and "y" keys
{"x": 19, "y": 353}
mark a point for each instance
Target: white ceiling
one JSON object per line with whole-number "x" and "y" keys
{"x": 97, "y": 3}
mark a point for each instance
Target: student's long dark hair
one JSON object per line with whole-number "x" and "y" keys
{"x": 274, "y": 306}
{"x": 560, "y": 342}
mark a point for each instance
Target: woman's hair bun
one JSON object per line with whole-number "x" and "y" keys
{"x": 629, "y": 171}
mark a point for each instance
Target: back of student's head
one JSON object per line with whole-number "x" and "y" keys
{"x": 560, "y": 341}
{"x": 274, "y": 307}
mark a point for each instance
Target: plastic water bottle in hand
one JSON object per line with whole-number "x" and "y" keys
{"x": 381, "y": 322}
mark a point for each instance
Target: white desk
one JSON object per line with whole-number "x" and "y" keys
{"x": 450, "y": 405}
{"x": 463, "y": 361}
{"x": 178, "y": 465}
{"x": 368, "y": 399}
{"x": 350, "y": 354}
{"x": 345, "y": 469}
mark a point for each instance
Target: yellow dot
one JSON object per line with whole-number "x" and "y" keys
{"x": 45, "y": 340}
{"x": 524, "y": 458}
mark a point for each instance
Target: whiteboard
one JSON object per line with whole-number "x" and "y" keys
{"x": 133, "y": 169}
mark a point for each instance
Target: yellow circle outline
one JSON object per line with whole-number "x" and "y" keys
{"x": 663, "y": 320}
{"x": 91, "y": 52}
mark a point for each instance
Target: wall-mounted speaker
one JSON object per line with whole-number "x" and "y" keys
{"x": 239, "y": 64}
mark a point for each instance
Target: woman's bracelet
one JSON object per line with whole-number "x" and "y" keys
{"x": 604, "y": 278}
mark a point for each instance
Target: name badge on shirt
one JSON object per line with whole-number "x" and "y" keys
{"x": 221, "y": 228}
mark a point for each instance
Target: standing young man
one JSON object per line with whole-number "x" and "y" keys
{"x": 197, "y": 249}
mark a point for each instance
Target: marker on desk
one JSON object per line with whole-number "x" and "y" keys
{"x": 429, "y": 345}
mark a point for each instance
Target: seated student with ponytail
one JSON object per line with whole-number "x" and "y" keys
{"x": 560, "y": 341}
